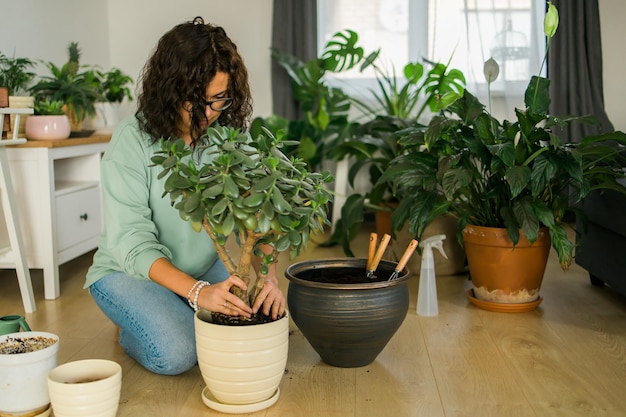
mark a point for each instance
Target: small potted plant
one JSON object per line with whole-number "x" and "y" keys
{"x": 75, "y": 85}
{"x": 16, "y": 76}
{"x": 512, "y": 180}
{"x": 114, "y": 86}
{"x": 244, "y": 186}
{"x": 49, "y": 121}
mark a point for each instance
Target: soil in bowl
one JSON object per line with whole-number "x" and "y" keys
{"x": 16, "y": 345}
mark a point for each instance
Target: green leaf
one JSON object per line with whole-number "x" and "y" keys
{"x": 537, "y": 96}
{"x": 192, "y": 202}
{"x": 219, "y": 207}
{"x": 518, "y": 178}
{"x": 254, "y": 200}
{"x": 525, "y": 215}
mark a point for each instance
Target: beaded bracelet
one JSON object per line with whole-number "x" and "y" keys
{"x": 191, "y": 290}
{"x": 201, "y": 285}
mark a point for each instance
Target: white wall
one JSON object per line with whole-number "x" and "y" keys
{"x": 122, "y": 33}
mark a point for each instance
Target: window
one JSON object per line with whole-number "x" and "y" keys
{"x": 464, "y": 32}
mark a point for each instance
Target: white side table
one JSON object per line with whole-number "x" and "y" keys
{"x": 57, "y": 192}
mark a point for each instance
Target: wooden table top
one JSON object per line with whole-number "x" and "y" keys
{"x": 96, "y": 138}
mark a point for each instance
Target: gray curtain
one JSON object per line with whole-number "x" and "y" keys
{"x": 294, "y": 31}
{"x": 575, "y": 67}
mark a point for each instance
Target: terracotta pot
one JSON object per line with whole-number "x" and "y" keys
{"x": 503, "y": 273}
{"x": 383, "y": 219}
{"x": 241, "y": 366}
{"x": 348, "y": 322}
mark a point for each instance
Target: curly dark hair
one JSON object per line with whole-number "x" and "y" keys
{"x": 183, "y": 64}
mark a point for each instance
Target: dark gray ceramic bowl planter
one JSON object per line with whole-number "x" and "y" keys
{"x": 348, "y": 321}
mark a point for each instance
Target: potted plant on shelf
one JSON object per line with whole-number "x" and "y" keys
{"x": 16, "y": 76}
{"x": 79, "y": 90}
{"x": 247, "y": 187}
{"x": 114, "y": 86}
{"x": 510, "y": 180}
{"x": 49, "y": 121}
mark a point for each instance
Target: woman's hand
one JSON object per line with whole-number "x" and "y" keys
{"x": 219, "y": 299}
{"x": 271, "y": 298}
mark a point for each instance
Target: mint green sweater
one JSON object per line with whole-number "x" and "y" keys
{"x": 141, "y": 226}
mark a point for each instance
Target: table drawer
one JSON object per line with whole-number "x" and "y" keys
{"x": 78, "y": 218}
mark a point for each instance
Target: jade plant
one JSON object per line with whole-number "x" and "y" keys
{"x": 238, "y": 184}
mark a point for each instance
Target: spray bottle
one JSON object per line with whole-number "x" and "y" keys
{"x": 427, "y": 294}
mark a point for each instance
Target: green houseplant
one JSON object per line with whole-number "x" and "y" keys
{"x": 79, "y": 90}
{"x": 49, "y": 121}
{"x": 114, "y": 85}
{"x": 46, "y": 107}
{"x": 325, "y": 108}
{"x": 398, "y": 104}
{"x": 16, "y": 74}
{"x": 251, "y": 188}
{"x": 237, "y": 184}
{"x": 515, "y": 175}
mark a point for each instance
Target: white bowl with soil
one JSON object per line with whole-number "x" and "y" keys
{"x": 25, "y": 360}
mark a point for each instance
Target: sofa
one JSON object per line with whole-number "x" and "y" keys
{"x": 602, "y": 250}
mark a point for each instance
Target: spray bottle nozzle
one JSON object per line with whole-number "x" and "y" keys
{"x": 434, "y": 242}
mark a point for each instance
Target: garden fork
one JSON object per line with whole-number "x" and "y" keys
{"x": 375, "y": 255}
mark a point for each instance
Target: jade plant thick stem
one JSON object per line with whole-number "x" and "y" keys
{"x": 234, "y": 183}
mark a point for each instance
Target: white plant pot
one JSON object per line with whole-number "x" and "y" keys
{"x": 23, "y": 376}
{"x": 87, "y": 387}
{"x": 106, "y": 118}
{"x": 242, "y": 366}
{"x": 48, "y": 127}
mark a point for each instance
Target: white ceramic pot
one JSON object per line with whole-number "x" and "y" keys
{"x": 47, "y": 127}
{"x": 106, "y": 118}
{"x": 242, "y": 366}
{"x": 23, "y": 376}
{"x": 89, "y": 387}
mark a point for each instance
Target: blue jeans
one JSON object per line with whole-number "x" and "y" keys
{"x": 156, "y": 324}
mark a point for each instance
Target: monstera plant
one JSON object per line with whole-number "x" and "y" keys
{"x": 235, "y": 183}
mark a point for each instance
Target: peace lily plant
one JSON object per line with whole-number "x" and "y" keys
{"x": 235, "y": 183}
{"x": 518, "y": 175}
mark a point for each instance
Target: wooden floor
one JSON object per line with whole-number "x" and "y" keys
{"x": 567, "y": 358}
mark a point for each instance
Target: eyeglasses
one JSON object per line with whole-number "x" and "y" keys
{"x": 219, "y": 104}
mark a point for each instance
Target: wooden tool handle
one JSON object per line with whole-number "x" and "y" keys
{"x": 380, "y": 252}
{"x": 407, "y": 255}
{"x": 372, "y": 249}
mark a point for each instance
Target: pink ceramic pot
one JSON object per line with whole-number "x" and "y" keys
{"x": 47, "y": 127}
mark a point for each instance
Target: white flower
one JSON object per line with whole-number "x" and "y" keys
{"x": 491, "y": 69}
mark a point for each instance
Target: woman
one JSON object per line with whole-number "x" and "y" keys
{"x": 149, "y": 262}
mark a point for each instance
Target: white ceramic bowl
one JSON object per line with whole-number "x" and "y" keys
{"x": 89, "y": 387}
{"x": 23, "y": 384}
{"x": 47, "y": 127}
